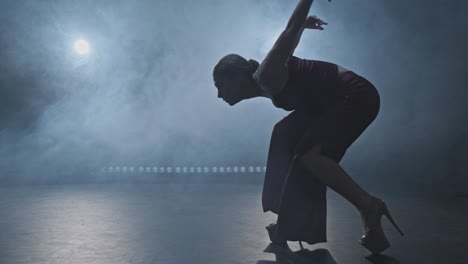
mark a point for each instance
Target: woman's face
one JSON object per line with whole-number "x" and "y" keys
{"x": 231, "y": 90}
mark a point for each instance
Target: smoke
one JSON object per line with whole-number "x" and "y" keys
{"x": 144, "y": 94}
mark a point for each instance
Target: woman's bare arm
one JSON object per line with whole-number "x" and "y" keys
{"x": 297, "y": 19}
{"x": 272, "y": 72}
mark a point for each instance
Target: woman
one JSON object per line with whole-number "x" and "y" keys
{"x": 332, "y": 107}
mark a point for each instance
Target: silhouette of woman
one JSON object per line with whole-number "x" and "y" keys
{"x": 332, "y": 107}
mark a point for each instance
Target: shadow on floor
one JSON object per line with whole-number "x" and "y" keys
{"x": 284, "y": 255}
{"x": 382, "y": 259}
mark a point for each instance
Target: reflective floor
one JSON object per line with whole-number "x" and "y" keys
{"x": 213, "y": 223}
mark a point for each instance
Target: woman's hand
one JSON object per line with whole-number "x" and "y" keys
{"x": 313, "y": 22}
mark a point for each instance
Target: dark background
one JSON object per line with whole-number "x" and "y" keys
{"x": 144, "y": 95}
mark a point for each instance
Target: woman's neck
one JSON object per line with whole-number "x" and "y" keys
{"x": 265, "y": 94}
{"x": 259, "y": 92}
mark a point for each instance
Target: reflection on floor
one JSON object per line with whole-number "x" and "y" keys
{"x": 212, "y": 223}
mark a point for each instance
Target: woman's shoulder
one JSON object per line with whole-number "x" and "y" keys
{"x": 297, "y": 62}
{"x": 272, "y": 80}
{"x": 296, "y": 59}
{"x": 293, "y": 58}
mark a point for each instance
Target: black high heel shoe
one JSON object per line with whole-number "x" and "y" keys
{"x": 374, "y": 238}
{"x": 273, "y": 234}
{"x": 276, "y": 239}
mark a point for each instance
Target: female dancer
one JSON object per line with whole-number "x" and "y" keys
{"x": 332, "y": 107}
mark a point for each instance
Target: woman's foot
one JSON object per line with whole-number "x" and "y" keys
{"x": 374, "y": 238}
{"x": 274, "y": 238}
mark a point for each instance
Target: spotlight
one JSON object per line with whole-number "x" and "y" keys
{"x": 214, "y": 169}
{"x": 81, "y": 47}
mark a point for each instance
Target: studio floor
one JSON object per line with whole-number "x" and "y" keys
{"x": 208, "y": 223}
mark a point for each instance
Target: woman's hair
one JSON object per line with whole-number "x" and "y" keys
{"x": 234, "y": 65}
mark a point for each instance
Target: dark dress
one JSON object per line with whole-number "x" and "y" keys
{"x": 334, "y": 111}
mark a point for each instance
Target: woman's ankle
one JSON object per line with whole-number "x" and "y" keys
{"x": 367, "y": 202}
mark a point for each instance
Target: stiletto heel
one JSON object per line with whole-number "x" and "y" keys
{"x": 389, "y": 217}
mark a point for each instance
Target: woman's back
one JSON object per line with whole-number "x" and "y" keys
{"x": 311, "y": 84}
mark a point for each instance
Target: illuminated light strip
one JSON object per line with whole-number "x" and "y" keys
{"x": 183, "y": 170}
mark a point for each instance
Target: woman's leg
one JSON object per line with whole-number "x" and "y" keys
{"x": 301, "y": 211}
{"x": 340, "y": 126}
{"x": 372, "y": 208}
{"x": 333, "y": 175}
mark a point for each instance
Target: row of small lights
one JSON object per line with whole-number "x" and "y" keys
{"x": 243, "y": 169}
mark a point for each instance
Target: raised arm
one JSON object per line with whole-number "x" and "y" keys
{"x": 272, "y": 73}
{"x": 297, "y": 19}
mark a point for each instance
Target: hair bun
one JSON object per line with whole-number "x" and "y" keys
{"x": 253, "y": 64}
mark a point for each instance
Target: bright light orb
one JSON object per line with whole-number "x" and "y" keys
{"x": 82, "y": 47}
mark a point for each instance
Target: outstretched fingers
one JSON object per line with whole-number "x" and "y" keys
{"x": 314, "y": 22}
